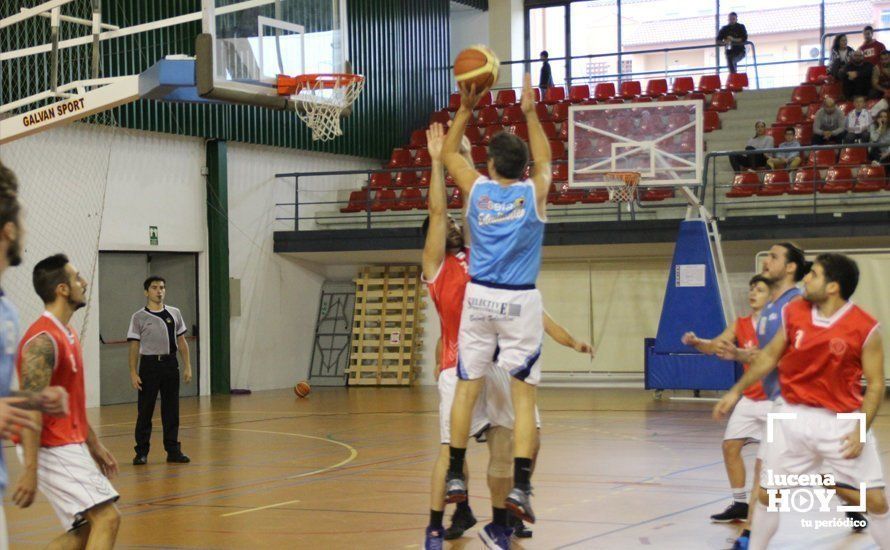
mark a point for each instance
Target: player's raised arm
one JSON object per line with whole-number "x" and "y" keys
{"x": 464, "y": 174}
{"x": 437, "y": 230}
{"x": 539, "y": 145}
{"x": 763, "y": 363}
{"x": 564, "y": 337}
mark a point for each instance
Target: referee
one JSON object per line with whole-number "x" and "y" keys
{"x": 156, "y": 333}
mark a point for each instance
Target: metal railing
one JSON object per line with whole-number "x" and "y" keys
{"x": 833, "y": 34}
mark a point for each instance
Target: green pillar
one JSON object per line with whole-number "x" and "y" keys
{"x": 218, "y": 240}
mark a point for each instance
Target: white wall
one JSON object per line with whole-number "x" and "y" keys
{"x": 469, "y": 26}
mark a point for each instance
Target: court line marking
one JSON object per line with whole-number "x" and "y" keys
{"x": 353, "y": 453}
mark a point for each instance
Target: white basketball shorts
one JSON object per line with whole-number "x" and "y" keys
{"x": 71, "y": 481}
{"x": 499, "y": 400}
{"x": 748, "y": 419}
{"x": 447, "y": 387}
{"x": 507, "y": 324}
{"x": 811, "y": 444}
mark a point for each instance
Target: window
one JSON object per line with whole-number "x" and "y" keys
{"x": 547, "y": 31}
{"x": 594, "y": 31}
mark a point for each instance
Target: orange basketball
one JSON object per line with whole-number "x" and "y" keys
{"x": 302, "y": 389}
{"x": 476, "y": 65}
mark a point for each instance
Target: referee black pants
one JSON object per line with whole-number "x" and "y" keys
{"x": 158, "y": 374}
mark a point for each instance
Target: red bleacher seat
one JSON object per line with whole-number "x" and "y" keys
{"x": 453, "y": 102}
{"x": 512, "y": 115}
{"x": 630, "y": 89}
{"x": 418, "y": 140}
{"x": 474, "y": 135}
{"x": 401, "y": 158}
{"x": 456, "y": 200}
{"x": 554, "y": 95}
{"x": 579, "y": 93}
{"x": 695, "y": 95}
{"x": 776, "y": 182}
{"x": 567, "y": 195}
{"x": 853, "y": 156}
{"x": 805, "y": 94}
{"x": 424, "y": 179}
{"x": 678, "y": 119}
{"x": 596, "y": 196}
{"x": 615, "y": 101}
{"x": 520, "y": 129}
{"x": 803, "y": 133}
{"x": 683, "y": 85}
{"x": 560, "y": 112}
{"x": 564, "y": 132}
{"x": 543, "y": 113}
{"x": 484, "y": 100}
{"x": 667, "y": 97}
{"x": 656, "y": 87}
{"x": 817, "y": 74}
{"x": 384, "y": 199}
{"x": 422, "y": 158}
{"x": 833, "y": 90}
{"x": 358, "y": 202}
{"x": 479, "y": 154}
{"x": 560, "y": 172}
{"x": 488, "y": 116}
{"x": 737, "y": 82}
{"x": 652, "y": 125}
{"x": 806, "y": 182}
{"x": 409, "y": 199}
{"x": 789, "y": 115}
{"x": 709, "y": 83}
{"x": 552, "y": 193}
{"x": 604, "y": 91}
{"x": 505, "y": 98}
{"x": 722, "y": 101}
{"x": 550, "y": 130}
{"x": 845, "y": 106}
{"x": 641, "y": 99}
{"x": 744, "y": 184}
{"x": 823, "y": 158}
{"x": 654, "y": 194}
{"x": 441, "y": 117}
{"x": 558, "y": 150}
{"x": 711, "y": 121}
{"x": 379, "y": 180}
{"x": 490, "y": 132}
{"x": 407, "y": 178}
{"x": 870, "y": 178}
{"x": 839, "y": 179}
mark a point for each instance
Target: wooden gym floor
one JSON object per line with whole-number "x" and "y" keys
{"x": 350, "y": 468}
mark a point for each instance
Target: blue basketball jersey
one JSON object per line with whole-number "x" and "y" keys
{"x": 506, "y": 233}
{"x": 768, "y": 325}
{"x": 9, "y": 341}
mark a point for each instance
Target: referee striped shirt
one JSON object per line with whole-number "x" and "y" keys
{"x": 156, "y": 331}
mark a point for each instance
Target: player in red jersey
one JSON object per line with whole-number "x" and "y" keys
{"x": 826, "y": 346}
{"x": 66, "y": 461}
{"x": 748, "y": 419}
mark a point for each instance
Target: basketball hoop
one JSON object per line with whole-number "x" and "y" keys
{"x": 627, "y": 191}
{"x": 320, "y": 99}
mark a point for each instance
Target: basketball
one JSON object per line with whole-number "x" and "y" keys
{"x": 476, "y": 65}
{"x": 302, "y": 389}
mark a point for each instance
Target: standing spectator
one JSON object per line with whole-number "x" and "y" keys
{"x": 841, "y": 53}
{"x": 733, "y": 37}
{"x": 871, "y": 49}
{"x": 880, "y": 136}
{"x": 156, "y": 333}
{"x": 546, "y": 80}
{"x": 858, "y": 122}
{"x": 753, "y": 161}
{"x": 856, "y": 76}
{"x": 829, "y": 126}
{"x": 880, "y": 84}
{"x": 788, "y": 159}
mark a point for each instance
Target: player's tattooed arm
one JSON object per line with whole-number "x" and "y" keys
{"x": 38, "y": 360}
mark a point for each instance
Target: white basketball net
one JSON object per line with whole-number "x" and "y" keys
{"x": 627, "y": 191}
{"x": 321, "y": 106}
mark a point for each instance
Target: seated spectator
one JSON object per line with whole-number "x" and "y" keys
{"x": 858, "y": 122}
{"x": 790, "y": 159}
{"x": 880, "y": 136}
{"x": 880, "y": 83}
{"x": 753, "y": 161}
{"x": 871, "y": 49}
{"x": 841, "y": 54}
{"x": 829, "y": 126}
{"x": 856, "y": 76}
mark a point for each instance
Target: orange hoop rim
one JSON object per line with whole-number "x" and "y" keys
{"x": 327, "y": 80}
{"x": 631, "y": 179}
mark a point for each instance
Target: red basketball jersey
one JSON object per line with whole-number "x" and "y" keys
{"x": 447, "y": 291}
{"x": 746, "y": 338}
{"x": 68, "y": 373}
{"x": 822, "y": 364}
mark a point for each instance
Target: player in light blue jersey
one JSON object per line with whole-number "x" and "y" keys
{"x": 502, "y": 308}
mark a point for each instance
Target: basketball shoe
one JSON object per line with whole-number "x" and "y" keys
{"x": 519, "y": 502}
{"x": 496, "y": 537}
{"x": 737, "y": 511}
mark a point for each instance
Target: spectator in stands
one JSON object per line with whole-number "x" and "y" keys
{"x": 880, "y": 84}
{"x": 856, "y": 76}
{"x": 858, "y": 122}
{"x": 753, "y": 161}
{"x": 871, "y": 49}
{"x": 733, "y": 37}
{"x": 788, "y": 159}
{"x": 829, "y": 126}
{"x": 546, "y": 80}
{"x": 840, "y": 55}
{"x": 880, "y": 136}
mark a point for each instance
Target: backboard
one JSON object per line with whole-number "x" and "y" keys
{"x": 251, "y": 42}
{"x": 663, "y": 141}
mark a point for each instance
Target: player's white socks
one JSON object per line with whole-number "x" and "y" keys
{"x": 763, "y": 526}
{"x": 879, "y": 527}
{"x": 739, "y": 494}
